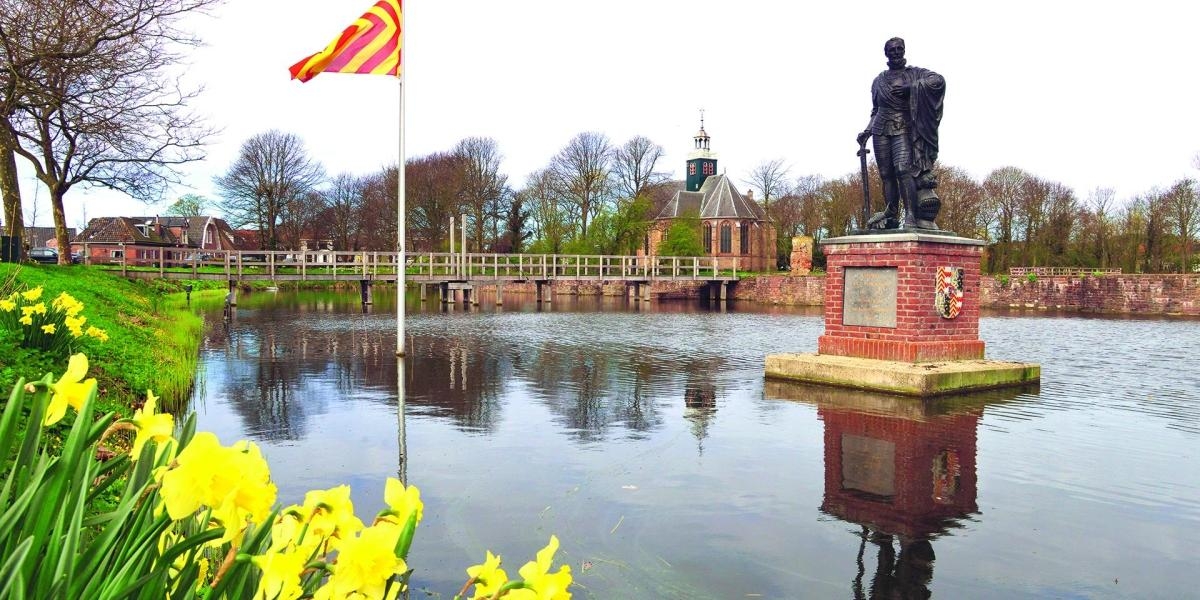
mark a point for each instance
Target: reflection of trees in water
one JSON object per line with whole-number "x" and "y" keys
{"x": 458, "y": 380}
{"x": 280, "y": 373}
{"x": 285, "y": 367}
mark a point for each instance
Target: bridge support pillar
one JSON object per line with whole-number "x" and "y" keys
{"x": 444, "y": 293}
{"x": 466, "y": 296}
{"x": 724, "y": 292}
{"x": 646, "y": 292}
{"x": 231, "y": 299}
{"x": 544, "y": 291}
{"x": 364, "y": 290}
{"x": 499, "y": 294}
{"x": 424, "y": 291}
{"x": 635, "y": 289}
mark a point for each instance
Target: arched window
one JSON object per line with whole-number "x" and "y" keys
{"x": 726, "y": 238}
{"x": 708, "y": 238}
{"x": 744, "y": 233}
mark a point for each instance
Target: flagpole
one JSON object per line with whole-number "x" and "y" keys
{"x": 401, "y": 266}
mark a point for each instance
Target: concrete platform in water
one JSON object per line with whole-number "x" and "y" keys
{"x": 910, "y": 379}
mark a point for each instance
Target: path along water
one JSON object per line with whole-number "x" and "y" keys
{"x": 647, "y": 440}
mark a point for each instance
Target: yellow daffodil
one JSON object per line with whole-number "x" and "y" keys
{"x": 280, "y": 578}
{"x": 402, "y": 502}
{"x": 49, "y": 329}
{"x": 330, "y": 516}
{"x": 540, "y": 583}
{"x": 7, "y": 305}
{"x": 26, "y": 320}
{"x": 27, "y": 311}
{"x": 364, "y": 564}
{"x": 68, "y": 304}
{"x": 96, "y": 332}
{"x": 70, "y": 389}
{"x": 75, "y": 325}
{"x": 234, "y": 482}
{"x": 40, "y": 308}
{"x": 32, "y": 295}
{"x": 150, "y": 426}
{"x": 488, "y": 577}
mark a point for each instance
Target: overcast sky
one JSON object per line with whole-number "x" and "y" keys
{"x": 1091, "y": 95}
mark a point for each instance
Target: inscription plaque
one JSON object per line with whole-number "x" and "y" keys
{"x": 869, "y": 297}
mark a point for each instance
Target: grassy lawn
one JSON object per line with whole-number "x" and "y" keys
{"x": 153, "y": 336}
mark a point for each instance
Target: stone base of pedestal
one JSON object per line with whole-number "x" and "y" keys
{"x": 896, "y": 377}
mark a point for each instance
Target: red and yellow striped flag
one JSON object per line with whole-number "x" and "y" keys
{"x": 370, "y": 46}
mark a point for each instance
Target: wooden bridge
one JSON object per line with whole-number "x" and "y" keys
{"x": 452, "y": 274}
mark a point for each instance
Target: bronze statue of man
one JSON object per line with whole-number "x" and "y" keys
{"x": 906, "y": 109}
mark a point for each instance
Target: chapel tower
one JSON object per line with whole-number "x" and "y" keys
{"x": 701, "y": 161}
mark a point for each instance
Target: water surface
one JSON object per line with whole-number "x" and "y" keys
{"x": 646, "y": 438}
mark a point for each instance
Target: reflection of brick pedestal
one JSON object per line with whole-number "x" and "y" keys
{"x": 880, "y": 298}
{"x": 908, "y": 477}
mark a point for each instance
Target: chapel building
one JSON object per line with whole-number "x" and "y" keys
{"x": 733, "y": 227}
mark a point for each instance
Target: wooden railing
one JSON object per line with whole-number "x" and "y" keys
{"x": 1060, "y": 271}
{"x": 426, "y": 266}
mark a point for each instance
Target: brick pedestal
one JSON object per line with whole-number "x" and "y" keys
{"x": 865, "y": 273}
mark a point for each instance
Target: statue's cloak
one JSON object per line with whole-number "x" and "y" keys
{"x": 926, "y": 92}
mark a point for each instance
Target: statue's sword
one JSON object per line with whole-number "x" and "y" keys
{"x": 862, "y": 161}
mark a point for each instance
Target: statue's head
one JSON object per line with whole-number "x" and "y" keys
{"x": 893, "y": 49}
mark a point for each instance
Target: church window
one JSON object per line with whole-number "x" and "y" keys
{"x": 709, "y": 168}
{"x": 744, "y": 233}
{"x": 726, "y": 238}
{"x": 708, "y": 238}
{"x": 691, "y": 168}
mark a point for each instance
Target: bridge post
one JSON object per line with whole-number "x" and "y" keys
{"x": 231, "y": 298}
{"x": 724, "y": 292}
{"x": 444, "y": 293}
{"x": 636, "y": 288}
{"x": 499, "y": 294}
{"x": 364, "y": 289}
{"x": 646, "y": 292}
{"x": 423, "y": 292}
{"x": 537, "y": 286}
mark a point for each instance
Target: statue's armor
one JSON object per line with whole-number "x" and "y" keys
{"x": 889, "y": 101}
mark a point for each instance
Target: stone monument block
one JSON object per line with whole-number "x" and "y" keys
{"x": 802, "y": 252}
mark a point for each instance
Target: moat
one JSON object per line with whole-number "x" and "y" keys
{"x": 645, "y": 437}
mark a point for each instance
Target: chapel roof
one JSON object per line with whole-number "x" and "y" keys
{"x": 718, "y": 198}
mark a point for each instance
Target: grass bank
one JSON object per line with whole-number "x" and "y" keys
{"x": 153, "y": 336}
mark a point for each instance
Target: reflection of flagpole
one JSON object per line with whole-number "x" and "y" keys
{"x": 401, "y": 435}
{"x": 401, "y": 261}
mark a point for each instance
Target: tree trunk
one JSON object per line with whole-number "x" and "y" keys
{"x": 60, "y": 227}
{"x": 10, "y": 189}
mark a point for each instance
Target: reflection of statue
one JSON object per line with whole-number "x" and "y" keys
{"x": 906, "y": 109}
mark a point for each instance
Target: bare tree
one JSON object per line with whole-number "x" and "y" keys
{"x": 380, "y": 204}
{"x": 633, "y": 167}
{"x": 550, "y": 219}
{"x": 483, "y": 185}
{"x": 433, "y": 194}
{"x": 1100, "y": 204}
{"x": 272, "y": 173}
{"x": 1002, "y": 192}
{"x": 343, "y": 202}
{"x": 965, "y": 213}
{"x": 582, "y": 176}
{"x": 86, "y": 97}
{"x": 1184, "y": 205}
{"x": 770, "y": 180}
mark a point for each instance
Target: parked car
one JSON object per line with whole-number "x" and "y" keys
{"x": 49, "y": 256}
